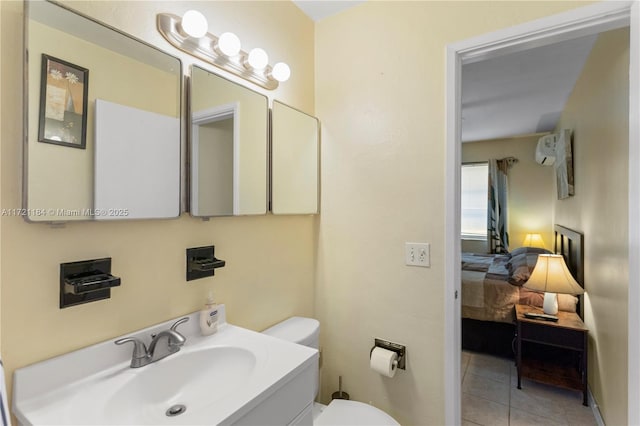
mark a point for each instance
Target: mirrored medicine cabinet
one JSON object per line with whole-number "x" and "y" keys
{"x": 295, "y": 161}
{"x": 229, "y": 152}
{"x": 103, "y": 131}
{"x": 102, "y": 121}
{"x": 229, "y": 147}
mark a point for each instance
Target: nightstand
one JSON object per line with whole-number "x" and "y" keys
{"x": 568, "y": 334}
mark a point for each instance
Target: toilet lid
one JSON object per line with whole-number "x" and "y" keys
{"x": 341, "y": 412}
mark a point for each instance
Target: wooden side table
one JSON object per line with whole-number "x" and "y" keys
{"x": 568, "y": 333}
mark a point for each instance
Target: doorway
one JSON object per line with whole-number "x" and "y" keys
{"x": 576, "y": 23}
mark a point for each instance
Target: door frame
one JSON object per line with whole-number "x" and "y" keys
{"x": 592, "y": 19}
{"x": 212, "y": 115}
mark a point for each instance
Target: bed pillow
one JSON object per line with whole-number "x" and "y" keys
{"x": 529, "y": 250}
{"x": 566, "y": 302}
{"x": 520, "y": 267}
{"x": 531, "y": 298}
{"x": 522, "y": 262}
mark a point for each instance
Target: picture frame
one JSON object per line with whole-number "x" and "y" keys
{"x": 63, "y": 103}
{"x": 564, "y": 166}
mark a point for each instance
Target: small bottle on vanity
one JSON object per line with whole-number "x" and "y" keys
{"x": 209, "y": 317}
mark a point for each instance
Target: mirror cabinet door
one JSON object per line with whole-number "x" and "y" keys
{"x": 295, "y": 161}
{"x": 229, "y": 143}
{"x": 103, "y": 121}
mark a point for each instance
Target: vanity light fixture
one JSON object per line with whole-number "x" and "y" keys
{"x": 257, "y": 59}
{"x": 281, "y": 71}
{"x": 194, "y": 24}
{"x": 228, "y": 44}
{"x": 189, "y": 34}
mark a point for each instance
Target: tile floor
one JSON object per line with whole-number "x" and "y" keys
{"x": 490, "y": 397}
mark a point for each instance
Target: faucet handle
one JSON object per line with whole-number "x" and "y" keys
{"x": 139, "y": 348}
{"x": 177, "y": 323}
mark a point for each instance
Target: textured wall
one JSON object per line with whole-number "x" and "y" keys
{"x": 598, "y": 113}
{"x": 380, "y": 93}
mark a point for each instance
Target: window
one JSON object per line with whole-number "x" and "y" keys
{"x": 474, "y": 201}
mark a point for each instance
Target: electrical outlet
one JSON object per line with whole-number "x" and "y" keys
{"x": 417, "y": 254}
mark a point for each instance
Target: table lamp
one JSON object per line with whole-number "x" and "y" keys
{"x": 533, "y": 240}
{"x": 552, "y": 276}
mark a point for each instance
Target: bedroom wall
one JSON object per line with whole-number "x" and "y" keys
{"x": 598, "y": 113}
{"x": 530, "y": 206}
{"x": 269, "y": 274}
{"x": 380, "y": 91}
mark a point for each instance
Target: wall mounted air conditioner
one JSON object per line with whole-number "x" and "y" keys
{"x": 546, "y": 149}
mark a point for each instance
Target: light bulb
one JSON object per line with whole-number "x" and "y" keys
{"x": 194, "y": 23}
{"x": 258, "y": 59}
{"x": 281, "y": 72}
{"x": 229, "y": 44}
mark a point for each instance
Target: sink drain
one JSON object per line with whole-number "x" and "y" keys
{"x": 176, "y": 410}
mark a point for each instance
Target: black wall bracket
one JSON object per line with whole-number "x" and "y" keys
{"x": 86, "y": 281}
{"x": 202, "y": 262}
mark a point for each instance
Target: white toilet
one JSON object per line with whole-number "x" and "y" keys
{"x": 306, "y": 331}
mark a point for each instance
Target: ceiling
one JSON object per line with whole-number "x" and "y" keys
{"x": 520, "y": 93}
{"x": 319, "y": 9}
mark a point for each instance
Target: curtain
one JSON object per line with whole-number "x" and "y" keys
{"x": 497, "y": 225}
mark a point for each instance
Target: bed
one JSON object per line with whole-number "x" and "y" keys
{"x": 493, "y": 284}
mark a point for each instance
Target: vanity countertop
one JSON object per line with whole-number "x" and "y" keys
{"x": 96, "y": 385}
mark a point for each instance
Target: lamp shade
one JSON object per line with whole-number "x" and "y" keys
{"x": 551, "y": 275}
{"x": 533, "y": 240}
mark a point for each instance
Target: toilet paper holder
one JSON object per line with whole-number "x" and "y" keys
{"x": 390, "y": 346}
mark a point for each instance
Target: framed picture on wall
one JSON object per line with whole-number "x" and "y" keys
{"x": 63, "y": 103}
{"x": 564, "y": 165}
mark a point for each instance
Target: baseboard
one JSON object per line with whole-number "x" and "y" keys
{"x": 595, "y": 408}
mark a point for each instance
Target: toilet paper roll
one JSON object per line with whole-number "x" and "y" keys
{"x": 384, "y": 361}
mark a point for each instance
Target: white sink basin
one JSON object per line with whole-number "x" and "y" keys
{"x": 235, "y": 376}
{"x": 188, "y": 380}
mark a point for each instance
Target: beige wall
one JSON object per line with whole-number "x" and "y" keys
{"x": 380, "y": 94}
{"x": 530, "y": 189}
{"x": 270, "y": 260}
{"x": 598, "y": 112}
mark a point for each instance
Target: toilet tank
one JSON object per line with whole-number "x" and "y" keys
{"x": 303, "y": 331}
{"x": 300, "y": 330}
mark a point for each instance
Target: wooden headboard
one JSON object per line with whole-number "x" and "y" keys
{"x": 570, "y": 245}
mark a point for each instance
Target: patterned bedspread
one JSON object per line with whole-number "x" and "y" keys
{"x": 486, "y": 293}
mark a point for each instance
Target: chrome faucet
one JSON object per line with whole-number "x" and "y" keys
{"x": 142, "y": 356}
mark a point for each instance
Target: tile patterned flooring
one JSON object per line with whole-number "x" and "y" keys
{"x": 490, "y": 397}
